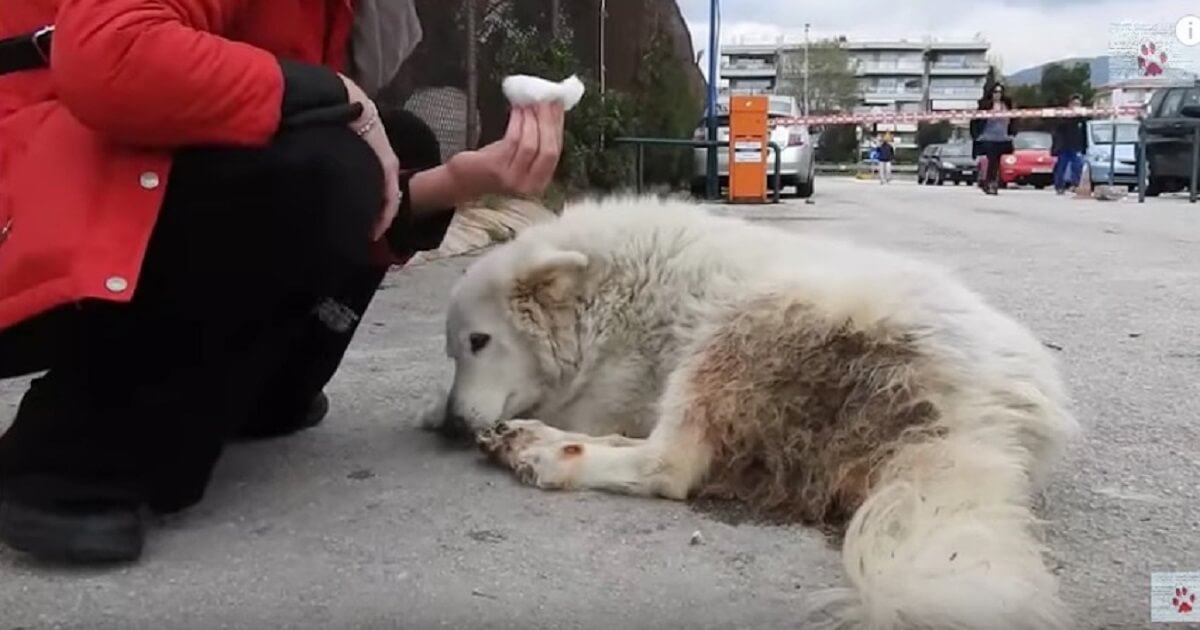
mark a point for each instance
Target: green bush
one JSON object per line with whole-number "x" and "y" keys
{"x": 933, "y": 133}
{"x": 586, "y": 163}
{"x": 662, "y": 105}
{"x": 665, "y": 108}
{"x": 839, "y": 144}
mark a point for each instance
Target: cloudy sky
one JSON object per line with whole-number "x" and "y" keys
{"x": 1023, "y": 33}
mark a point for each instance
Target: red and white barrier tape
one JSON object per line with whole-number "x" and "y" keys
{"x": 958, "y": 114}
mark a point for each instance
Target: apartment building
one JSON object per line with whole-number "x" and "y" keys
{"x": 893, "y": 76}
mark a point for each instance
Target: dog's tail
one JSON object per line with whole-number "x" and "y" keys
{"x": 946, "y": 541}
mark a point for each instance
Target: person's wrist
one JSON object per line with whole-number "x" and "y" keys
{"x": 434, "y": 189}
{"x": 465, "y": 187}
{"x": 367, "y": 121}
{"x": 354, "y": 94}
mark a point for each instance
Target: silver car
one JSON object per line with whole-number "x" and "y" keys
{"x": 1100, "y": 152}
{"x": 798, "y": 165}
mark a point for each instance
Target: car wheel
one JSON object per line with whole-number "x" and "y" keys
{"x": 1040, "y": 186}
{"x": 1154, "y": 187}
{"x": 804, "y": 190}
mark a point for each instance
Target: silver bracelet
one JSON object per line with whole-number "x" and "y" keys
{"x": 370, "y": 124}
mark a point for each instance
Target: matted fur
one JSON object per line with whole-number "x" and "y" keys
{"x": 817, "y": 380}
{"x": 802, "y": 411}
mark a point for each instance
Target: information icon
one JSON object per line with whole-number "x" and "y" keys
{"x": 1187, "y": 29}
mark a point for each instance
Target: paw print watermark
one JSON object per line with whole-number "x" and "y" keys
{"x": 1173, "y": 597}
{"x": 1184, "y": 602}
{"x": 1152, "y": 61}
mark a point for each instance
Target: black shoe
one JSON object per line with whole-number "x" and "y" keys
{"x": 96, "y": 534}
{"x": 278, "y": 427}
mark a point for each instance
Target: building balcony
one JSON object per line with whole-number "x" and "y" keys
{"x": 726, "y": 91}
{"x": 748, "y": 71}
{"x": 879, "y": 95}
{"x": 956, "y": 92}
{"x": 889, "y": 68}
{"x": 971, "y": 68}
{"x": 939, "y": 105}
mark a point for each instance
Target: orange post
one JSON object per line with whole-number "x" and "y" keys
{"x": 748, "y": 140}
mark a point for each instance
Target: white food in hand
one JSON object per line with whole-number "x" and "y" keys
{"x": 522, "y": 90}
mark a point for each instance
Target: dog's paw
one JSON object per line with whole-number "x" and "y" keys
{"x": 506, "y": 438}
{"x": 538, "y": 454}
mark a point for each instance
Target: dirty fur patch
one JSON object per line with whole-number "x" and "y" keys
{"x": 801, "y": 412}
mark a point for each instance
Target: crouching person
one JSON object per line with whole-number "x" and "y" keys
{"x": 197, "y": 204}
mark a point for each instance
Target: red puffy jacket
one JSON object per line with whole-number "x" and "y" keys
{"x": 86, "y": 146}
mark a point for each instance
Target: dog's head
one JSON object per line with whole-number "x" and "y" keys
{"x": 511, "y": 333}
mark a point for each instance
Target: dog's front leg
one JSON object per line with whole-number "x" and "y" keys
{"x": 552, "y": 459}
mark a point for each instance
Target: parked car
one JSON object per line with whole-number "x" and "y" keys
{"x": 798, "y": 163}
{"x": 1030, "y": 163}
{"x": 1100, "y": 152}
{"x": 1169, "y": 139}
{"x": 940, "y": 163}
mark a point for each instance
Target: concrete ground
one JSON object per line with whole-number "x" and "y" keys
{"x": 368, "y": 522}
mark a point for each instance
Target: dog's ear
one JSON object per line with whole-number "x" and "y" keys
{"x": 550, "y": 276}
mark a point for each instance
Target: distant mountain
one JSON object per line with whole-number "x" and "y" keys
{"x": 1033, "y": 76}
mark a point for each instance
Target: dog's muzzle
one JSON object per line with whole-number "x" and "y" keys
{"x": 454, "y": 426}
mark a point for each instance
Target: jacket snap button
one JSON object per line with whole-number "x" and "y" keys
{"x": 5, "y": 230}
{"x": 149, "y": 180}
{"x": 116, "y": 284}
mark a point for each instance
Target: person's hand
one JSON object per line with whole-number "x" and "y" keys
{"x": 370, "y": 128}
{"x": 521, "y": 163}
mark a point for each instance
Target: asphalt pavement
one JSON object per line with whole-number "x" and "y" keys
{"x": 367, "y": 521}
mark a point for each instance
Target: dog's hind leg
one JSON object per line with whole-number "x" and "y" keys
{"x": 670, "y": 463}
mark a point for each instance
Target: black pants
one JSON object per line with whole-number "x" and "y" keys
{"x": 229, "y": 331}
{"x": 995, "y": 151}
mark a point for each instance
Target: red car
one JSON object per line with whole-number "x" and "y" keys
{"x": 1030, "y": 163}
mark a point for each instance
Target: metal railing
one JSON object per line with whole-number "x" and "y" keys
{"x": 712, "y": 145}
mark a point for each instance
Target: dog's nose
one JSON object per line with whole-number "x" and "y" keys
{"x": 454, "y": 425}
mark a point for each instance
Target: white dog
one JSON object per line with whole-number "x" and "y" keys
{"x": 677, "y": 354}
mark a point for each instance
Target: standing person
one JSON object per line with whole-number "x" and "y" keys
{"x": 991, "y": 137}
{"x": 1068, "y": 147}
{"x": 873, "y": 156}
{"x": 887, "y": 153}
{"x": 198, "y": 201}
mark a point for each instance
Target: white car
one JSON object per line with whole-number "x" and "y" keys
{"x": 798, "y": 163}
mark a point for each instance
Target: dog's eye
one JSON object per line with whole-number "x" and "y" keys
{"x": 479, "y": 341}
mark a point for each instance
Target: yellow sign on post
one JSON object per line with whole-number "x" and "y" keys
{"x": 748, "y": 148}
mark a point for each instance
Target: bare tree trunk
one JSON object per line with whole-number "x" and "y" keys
{"x": 555, "y": 15}
{"x": 472, "y": 75}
